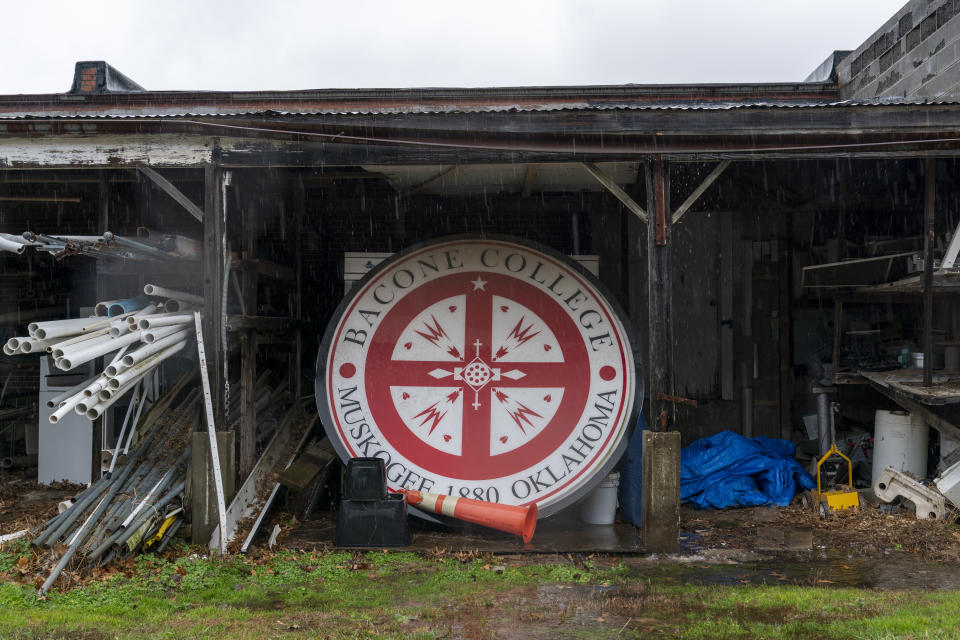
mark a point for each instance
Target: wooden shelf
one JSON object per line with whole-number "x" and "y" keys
{"x": 261, "y": 323}
{"x": 909, "y": 382}
{"x": 266, "y": 269}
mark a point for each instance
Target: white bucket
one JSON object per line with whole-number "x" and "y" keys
{"x": 600, "y": 506}
{"x": 900, "y": 441}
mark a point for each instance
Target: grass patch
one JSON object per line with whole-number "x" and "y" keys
{"x": 407, "y": 596}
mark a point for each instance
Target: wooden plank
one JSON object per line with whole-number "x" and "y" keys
{"x": 909, "y": 383}
{"x": 928, "y": 416}
{"x": 261, "y": 323}
{"x": 615, "y": 189}
{"x": 693, "y": 197}
{"x": 171, "y": 190}
{"x": 279, "y": 453}
{"x": 266, "y": 269}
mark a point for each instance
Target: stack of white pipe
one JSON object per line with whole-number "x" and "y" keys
{"x": 142, "y": 339}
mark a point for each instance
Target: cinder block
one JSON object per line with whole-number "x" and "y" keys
{"x": 660, "y": 501}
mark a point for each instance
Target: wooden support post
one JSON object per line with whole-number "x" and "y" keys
{"x": 929, "y": 187}
{"x": 247, "y": 436}
{"x": 658, "y": 275}
{"x": 214, "y": 252}
{"x": 299, "y": 213}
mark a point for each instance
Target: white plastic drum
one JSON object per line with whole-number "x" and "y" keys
{"x": 900, "y": 441}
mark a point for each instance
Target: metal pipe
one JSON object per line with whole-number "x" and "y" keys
{"x": 82, "y": 534}
{"x": 54, "y": 531}
{"x": 157, "y": 488}
{"x": 11, "y": 246}
{"x": 161, "y": 292}
{"x": 125, "y": 534}
{"x": 823, "y": 423}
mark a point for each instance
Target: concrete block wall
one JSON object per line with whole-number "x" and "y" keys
{"x": 915, "y": 53}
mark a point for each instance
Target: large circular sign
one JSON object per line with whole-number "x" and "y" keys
{"x": 483, "y": 368}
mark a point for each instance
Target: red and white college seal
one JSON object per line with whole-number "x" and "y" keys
{"x": 484, "y": 368}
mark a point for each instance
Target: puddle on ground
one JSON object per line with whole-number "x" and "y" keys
{"x": 812, "y": 569}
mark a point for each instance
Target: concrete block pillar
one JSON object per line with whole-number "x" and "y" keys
{"x": 660, "y": 500}
{"x": 203, "y": 497}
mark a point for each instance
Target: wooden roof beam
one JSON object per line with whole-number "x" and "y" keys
{"x": 689, "y": 202}
{"x": 171, "y": 190}
{"x": 615, "y": 189}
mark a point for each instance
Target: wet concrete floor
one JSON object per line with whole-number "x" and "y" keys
{"x": 560, "y": 534}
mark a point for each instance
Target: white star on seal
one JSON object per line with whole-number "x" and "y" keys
{"x": 479, "y": 284}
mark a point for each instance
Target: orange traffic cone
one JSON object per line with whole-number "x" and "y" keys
{"x": 519, "y": 520}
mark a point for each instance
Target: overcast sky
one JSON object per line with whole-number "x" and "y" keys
{"x": 302, "y": 44}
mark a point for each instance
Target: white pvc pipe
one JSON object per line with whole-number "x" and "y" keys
{"x": 119, "y": 327}
{"x": 14, "y": 343}
{"x": 161, "y": 292}
{"x": 105, "y": 322}
{"x": 165, "y": 320}
{"x": 83, "y": 345}
{"x": 97, "y": 410}
{"x": 58, "y": 328}
{"x": 57, "y": 349}
{"x": 8, "y": 351}
{"x": 32, "y": 345}
{"x": 66, "y": 408}
{"x": 137, "y": 370}
{"x": 11, "y": 246}
{"x": 149, "y": 310}
{"x": 151, "y": 348}
{"x": 153, "y": 335}
{"x": 102, "y": 308}
{"x": 72, "y": 391}
{"x": 20, "y": 240}
{"x": 74, "y": 359}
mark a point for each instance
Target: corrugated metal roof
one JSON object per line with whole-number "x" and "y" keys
{"x": 210, "y": 111}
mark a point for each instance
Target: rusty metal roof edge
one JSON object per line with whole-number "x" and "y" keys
{"x": 154, "y": 114}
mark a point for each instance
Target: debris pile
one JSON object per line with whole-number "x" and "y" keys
{"x": 137, "y": 506}
{"x": 142, "y": 332}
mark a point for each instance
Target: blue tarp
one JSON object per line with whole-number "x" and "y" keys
{"x": 631, "y": 479}
{"x": 728, "y": 470}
